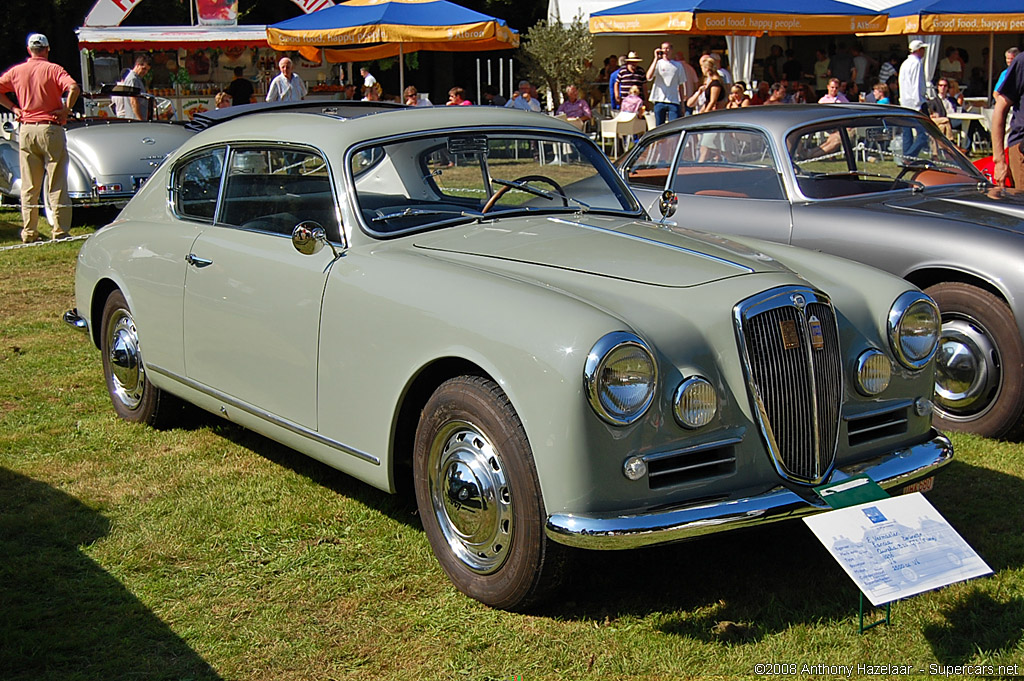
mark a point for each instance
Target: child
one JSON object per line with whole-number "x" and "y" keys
{"x": 633, "y": 103}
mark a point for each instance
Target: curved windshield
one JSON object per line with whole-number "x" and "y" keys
{"x": 867, "y": 155}
{"x": 422, "y": 182}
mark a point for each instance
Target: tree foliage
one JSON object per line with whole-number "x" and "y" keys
{"x": 559, "y": 56}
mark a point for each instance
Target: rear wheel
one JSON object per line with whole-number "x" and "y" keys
{"x": 133, "y": 396}
{"x": 479, "y": 498}
{"x": 979, "y": 373}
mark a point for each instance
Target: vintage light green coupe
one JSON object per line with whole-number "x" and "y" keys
{"x": 471, "y": 302}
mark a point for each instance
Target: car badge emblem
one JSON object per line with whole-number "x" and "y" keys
{"x": 148, "y": 140}
{"x": 790, "y": 336}
{"x": 799, "y": 301}
{"x": 817, "y": 336}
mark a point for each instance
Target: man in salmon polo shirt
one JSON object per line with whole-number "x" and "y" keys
{"x": 42, "y": 110}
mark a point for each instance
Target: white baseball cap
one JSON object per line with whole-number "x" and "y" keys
{"x": 916, "y": 45}
{"x": 38, "y": 40}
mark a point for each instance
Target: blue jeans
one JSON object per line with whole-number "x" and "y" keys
{"x": 664, "y": 112}
{"x": 913, "y": 143}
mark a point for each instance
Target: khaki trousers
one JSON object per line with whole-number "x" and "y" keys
{"x": 43, "y": 151}
{"x": 1015, "y": 163}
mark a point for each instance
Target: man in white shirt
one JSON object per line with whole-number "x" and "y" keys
{"x": 666, "y": 76}
{"x": 912, "y": 94}
{"x": 286, "y": 86}
{"x": 369, "y": 82}
{"x": 523, "y": 98}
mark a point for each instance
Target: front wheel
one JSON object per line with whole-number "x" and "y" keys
{"x": 479, "y": 498}
{"x": 979, "y": 371}
{"x": 133, "y": 396}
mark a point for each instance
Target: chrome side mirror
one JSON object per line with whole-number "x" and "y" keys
{"x": 668, "y": 203}
{"x": 309, "y": 238}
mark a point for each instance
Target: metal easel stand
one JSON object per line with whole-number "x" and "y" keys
{"x": 887, "y": 621}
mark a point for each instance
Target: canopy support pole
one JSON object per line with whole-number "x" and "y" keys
{"x": 401, "y": 71}
{"x": 991, "y": 56}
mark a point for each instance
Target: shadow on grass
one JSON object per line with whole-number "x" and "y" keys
{"x": 400, "y": 507}
{"x": 770, "y": 579}
{"x": 64, "y": 617}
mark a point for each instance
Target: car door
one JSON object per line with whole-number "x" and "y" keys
{"x": 726, "y": 181}
{"x": 252, "y": 302}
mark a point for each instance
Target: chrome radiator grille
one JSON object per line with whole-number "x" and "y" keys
{"x": 790, "y": 345}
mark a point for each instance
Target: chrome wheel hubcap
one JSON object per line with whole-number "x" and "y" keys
{"x": 128, "y": 377}
{"x": 967, "y": 371}
{"x": 470, "y": 497}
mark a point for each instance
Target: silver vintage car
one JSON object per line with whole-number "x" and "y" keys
{"x": 876, "y": 184}
{"x": 109, "y": 158}
{"x": 420, "y": 299}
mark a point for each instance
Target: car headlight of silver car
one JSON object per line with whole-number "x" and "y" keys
{"x": 696, "y": 402}
{"x": 914, "y": 328}
{"x": 620, "y": 378}
{"x": 874, "y": 371}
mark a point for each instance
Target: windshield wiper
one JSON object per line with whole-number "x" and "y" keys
{"x": 415, "y": 212}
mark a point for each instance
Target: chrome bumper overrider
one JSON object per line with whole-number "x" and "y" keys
{"x": 894, "y": 469}
{"x": 72, "y": 319}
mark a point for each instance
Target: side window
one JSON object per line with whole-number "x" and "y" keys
{"x": 729, "y": 164}
{"x": 272, "y": 189}
{"x": 196, "y": 183}
{"x": 650, "y": 168}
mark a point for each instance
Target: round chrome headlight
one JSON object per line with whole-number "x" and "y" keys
{"x": 620, "y": 377}
{"x": 874, "y": 370}
{"x": 696, "y": 402}
{"x": 914, "y": 329}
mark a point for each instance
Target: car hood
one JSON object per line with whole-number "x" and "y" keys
{"x": 994, "y": 207}
{"x": 606, "y": 246}
{"x": 124, "y": 148}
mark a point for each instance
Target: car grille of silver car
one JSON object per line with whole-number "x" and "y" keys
{"x": 793, "y": 362}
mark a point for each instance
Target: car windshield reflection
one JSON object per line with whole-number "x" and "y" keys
{"x": 427, "y": 181}
{"x": 869, "y": 155}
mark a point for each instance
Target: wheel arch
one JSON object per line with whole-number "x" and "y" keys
{"x": 407, "y": 414}
{"x": 930, "y": 276}
{"x": 100, "y": 292}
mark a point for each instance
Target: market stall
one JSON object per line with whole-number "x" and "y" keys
{"x": 191, "y": 64}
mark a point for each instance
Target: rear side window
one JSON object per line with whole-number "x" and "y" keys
{"x": 272, "y": 189}
{"x": 196, "y": 184}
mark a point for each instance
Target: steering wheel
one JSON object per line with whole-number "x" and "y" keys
{"x": 519, "y": 181}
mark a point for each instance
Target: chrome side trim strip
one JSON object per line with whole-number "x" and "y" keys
{"x": 893, "y": 469}
{"x": 267, "y": 416}
{"x": 655, "y": 242}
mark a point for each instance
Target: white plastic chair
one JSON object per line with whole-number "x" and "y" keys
{"x": 623, "y": 127}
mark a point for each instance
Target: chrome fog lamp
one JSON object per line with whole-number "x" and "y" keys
{"x": 620, "y": 377}
{"x": 635, "y": 468}
{"x": 695, "y": 403}
{"x": 874, "y": 370}
{"x": 914, "y": 329}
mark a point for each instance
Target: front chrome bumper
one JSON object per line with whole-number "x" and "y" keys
{"x": 75, "y": 321}
{"x": 894, "y": 469}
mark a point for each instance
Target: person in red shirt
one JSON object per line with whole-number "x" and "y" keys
{"x": 45, "y": 94}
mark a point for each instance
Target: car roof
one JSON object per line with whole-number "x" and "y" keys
{"x": 784, "y": 117}
{"x": 317, "y": 123}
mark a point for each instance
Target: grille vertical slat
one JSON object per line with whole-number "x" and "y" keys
{"x": 795, "y": 374}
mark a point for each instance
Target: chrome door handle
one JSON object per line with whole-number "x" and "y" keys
{"x": 197, "y": 262}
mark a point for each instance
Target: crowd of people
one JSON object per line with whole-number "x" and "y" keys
{"x": 44, "y": 93}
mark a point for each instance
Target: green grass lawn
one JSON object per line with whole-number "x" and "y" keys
{"x": 209, "y": 552}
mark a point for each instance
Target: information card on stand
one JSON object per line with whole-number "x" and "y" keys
{"x": 896, "y": 547}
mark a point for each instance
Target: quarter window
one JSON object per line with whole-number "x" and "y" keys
{"x": 650, "y": 167}
{"x": 272, "y": 189}
{"x": 196, "y": 183}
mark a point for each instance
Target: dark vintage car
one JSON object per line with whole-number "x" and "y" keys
{"x": 109, "y": 160}
{"x": 876, "y": 184}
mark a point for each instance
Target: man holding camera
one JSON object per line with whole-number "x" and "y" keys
{"x": 667, "y": 78}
